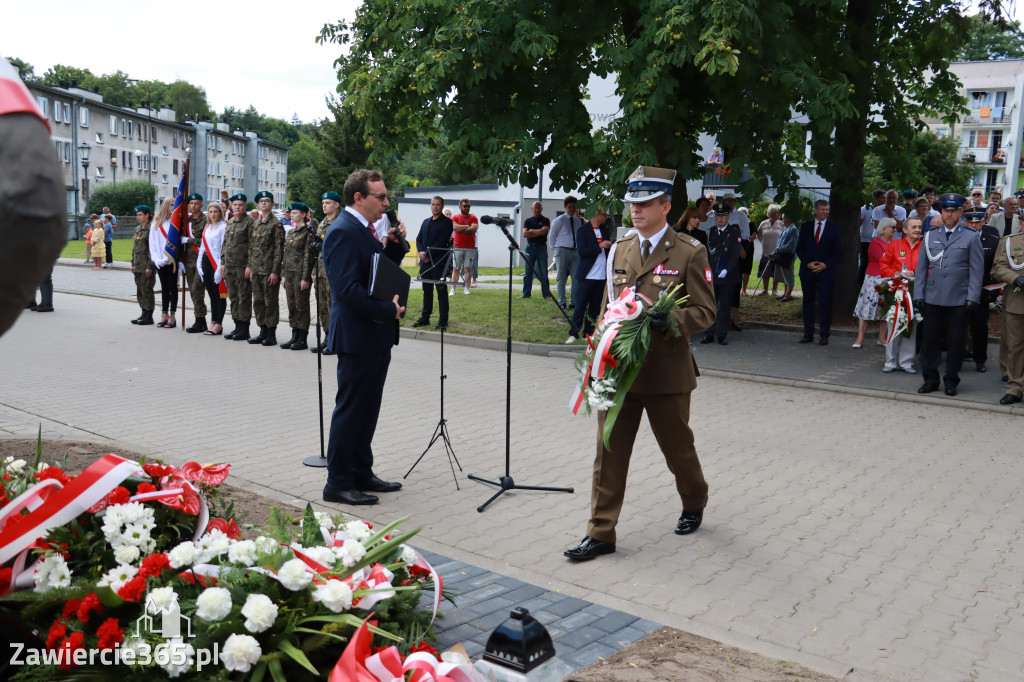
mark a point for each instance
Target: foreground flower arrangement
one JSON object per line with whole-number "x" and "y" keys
{"x": 897, "y": 305}
{"x": 122, "y": 572}
{"x": 615, "y": 353}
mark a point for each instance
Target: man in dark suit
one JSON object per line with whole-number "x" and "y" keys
{"x": 362, "y": 332}
{"x": 432, "y": 246}
{"x": 593, "y": 239}
{"x": 818, "y": 248}
{"x": 978, "y": 320}
{"x": 724, "y": 243}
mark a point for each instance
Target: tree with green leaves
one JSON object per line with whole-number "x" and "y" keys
{"x": 988, "y": 40}
{"x": 26, "y": 71}
{"x": 187, "y": 100}
{"x": 931, "y": 161}
{"x": 507, "y": 84}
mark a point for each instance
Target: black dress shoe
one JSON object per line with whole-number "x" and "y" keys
{"x": 806, "y": 339}
{"x": 707, "y": 340}
{"x": 950, "y": 391}
{"x": 723, "y": 342}
{"x": 823, "y": 341}
{"x": 928, "y": 388}
{"x": 375, "y": 485}
{"x": 589, "y": 549}
{"x": 348, "y": 496}
{"x": 422, "y": 322}
{"x": 43, "y": 308}
{"x": 980, "y": 366}
{"x": 198, "y": 326}
{"x": 735, "y": 327}
{"x": 1009, "y": 399}
{"x": 441, "y": 326}
{"x": 689, "y": 522}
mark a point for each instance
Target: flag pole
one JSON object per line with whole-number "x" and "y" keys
{"x": 185, "y": 216}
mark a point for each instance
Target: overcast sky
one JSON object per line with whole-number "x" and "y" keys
{"x": 261, "y": 52}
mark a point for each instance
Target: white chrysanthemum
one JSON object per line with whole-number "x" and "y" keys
{"x": 140, "y": 647}
{"x": 358, "y": 530}
{"x": 14, "y": 465}
{"x": 161, "y": 599}
{"x": 350, "y": 553}
{"x": 135, "y": 533}
{"x": 116, "y": 577}
{"x": 321, "y": 555}
{"x": 211, "y": 545}
{"x": 213, "y": 604}
{"x": 242, "y": 552}
{"x": 176, "y": 657}
{"x": 409, "y": 555}
{"x": 126, "y": 554}
{"x": 182, "y": 555}
{"x": 323, "y": 520}
{"x": 52, "y": 572}
{"x": 294, "y": 575}
{"x": 265, "y": 545}
{"x": 335, "y": 595}
{"x": 240, "y": 653}
{"x": 260, "y": 613}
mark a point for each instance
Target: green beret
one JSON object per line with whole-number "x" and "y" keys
{"x": 263, "y": 195}
{"x": 142, "y": 208}
{"x": 239, "y": 197}
{"x": 298, "y": 206}
{"x": 333, "y": 196}
{"x": 195, "y": 196}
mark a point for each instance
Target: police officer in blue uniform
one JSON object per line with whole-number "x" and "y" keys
{"x": 724, "y": 243}
{"x": 947, "y": 290}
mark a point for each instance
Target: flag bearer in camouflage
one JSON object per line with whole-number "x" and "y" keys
{"x": 235, "y": 258}
{"x": 331, "y": 203}
{"x": 192, "y": 240}
{"x": 298, "y": 267}
{"x": 265, "y": 250}
{"x": 142, "y": 266}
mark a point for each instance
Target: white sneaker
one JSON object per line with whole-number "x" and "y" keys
{"x": 466, "y": 291}
{"x": 452, "y": 292}
{"x": 856, "y": 345}
{"x": 909, "y": 370}
{"x": 887, "y": 369}
{"x": 571, "y": 340}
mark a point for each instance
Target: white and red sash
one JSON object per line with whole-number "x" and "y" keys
{"x": 222, "y": 287}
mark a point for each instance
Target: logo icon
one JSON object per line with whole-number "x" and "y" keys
{"x": 170, "y": 619}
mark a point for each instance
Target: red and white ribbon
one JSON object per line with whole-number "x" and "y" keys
{"x": 901, "y": 290}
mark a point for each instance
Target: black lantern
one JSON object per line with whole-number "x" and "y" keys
{"x": 521, "y": 643}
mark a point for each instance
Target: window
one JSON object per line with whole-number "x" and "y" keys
{"x": 218, "y": 169}
{"x": 129, "y": 161}
{"x": 83, "y": 117}
{"x": 234, "y": 147}
{"x": 99, "y": 138}
{"x": 138, "y": 161}
{"x": 175, "y": 139}
{"x": 977, "y": 138}
{"x": 209, "y": 142}
{"x": 42, "y": 105}
{"x": 67, "y": 152}
{"x": 99, "y": 171}
{"x": 124, "y": 159}
{"x": 67, "y": 112}
{"x": 57, "y": 142}
{"x": 113, "y": 125}
{"x": 154, "y": 163}
{"x": 241, "y": 149}
{"x": 56, "y": 112}
{"x": 175, "y": 168}
{"x": 145, "y": 133}
{"x": 131, "y": 130}
{"x": 164, "y": 150}
{"x": 232, "y": 172}
{"x": 163, "y": 179}
{"x": 153, "y": 133}
{"x": 220, "y": 146}
{"x": 942, "y": 132}
{"x": 124, "y": 128}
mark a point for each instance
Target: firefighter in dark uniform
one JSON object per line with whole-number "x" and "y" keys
{"x": 724, "y": 242}
{"x": 977, "y": 321}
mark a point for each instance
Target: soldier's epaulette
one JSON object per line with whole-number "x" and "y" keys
{"x": 695, "y": 242}
{"x": 626, "y": 237}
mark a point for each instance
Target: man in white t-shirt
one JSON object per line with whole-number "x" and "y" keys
{"x": 890, "y": 210}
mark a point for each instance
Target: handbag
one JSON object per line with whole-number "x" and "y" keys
{"x": 783, "y": 259}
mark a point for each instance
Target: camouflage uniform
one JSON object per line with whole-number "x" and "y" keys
{"x": 265, "y": 246}
{"x": 195, "y": 283}
{"x": 235, "y": 259}
{"x": 142, "y": 262}
{"x": 298, "y": 264}
{"x": 323, "y": 286}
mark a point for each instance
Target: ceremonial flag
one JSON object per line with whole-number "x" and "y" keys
{"x": 178, "y": 217}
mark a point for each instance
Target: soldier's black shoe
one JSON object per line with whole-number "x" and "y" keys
{"x": 375, "y": 485}
{"x": 241, "y": 332}
{"x": 147, "y": 318}
{"x": 231, "y": 336}
{"x": 723, "y": 342}
{"x": 689, "y": 522}
{"x": 589, "y": 549}
{"x": 140, "y": 318}
{"x": 1009, "y": 399}
{"x": 348, "y": 496}
{"x": 421, "y": 322}
{"x": 259, "y": 339}
{"x": 928, "y": 388}
{"x": 950, "y": 391}
{"x": 198, "y": 326}
{"x": 980, "y": 366}
{"x": 300, "y": 340}
{"x": 271, "y": 338}
{"x": 43, "y": 308}
{"x": 31, "y": 305}
{"x": 806, "y": 339}
{"x": 707, "y": 339}
{"x": 288, "y": 344}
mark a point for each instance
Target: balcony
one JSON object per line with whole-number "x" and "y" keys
{"x": 985, "y": 155}
{"x": 989, "y": 116}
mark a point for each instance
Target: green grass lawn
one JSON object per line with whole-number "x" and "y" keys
{"x": 76, "y": 249}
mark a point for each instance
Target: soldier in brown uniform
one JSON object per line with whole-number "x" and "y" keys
{"x": 265, "y": 249}
{"x": 192, "y": 240}
{"x": 663, "y": 386}
{"x": 298, "y": 267}
{"x": 1008, "y": 267}
{"x": 235, "y": 259}
{"x": 331, "y": 203}
{"x": 143, "y": 267}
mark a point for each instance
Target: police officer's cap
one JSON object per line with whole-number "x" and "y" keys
{"x": 195, "y": 196}
{"x": 264, "y": 195}
{"x": 142, "y": 208}
{"x": 332, "y": 196}
{"x": 952, "y": 200}
{"x": 298, "y": 206}
{"x": 721, "y": 208}
{"x": 649, "y": 182}
{"x": 239, "y": 197}
{"x": 974, "y": 215}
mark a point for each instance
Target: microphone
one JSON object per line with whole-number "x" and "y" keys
{"x": 499, "y": 221}
{"x": 392, "y": 218}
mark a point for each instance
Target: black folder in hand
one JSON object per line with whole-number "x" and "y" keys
{"x": 388, "y": 280}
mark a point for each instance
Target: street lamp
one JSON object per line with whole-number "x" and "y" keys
{"x": 83, "y": 153}
{"x": 113, "y": 165}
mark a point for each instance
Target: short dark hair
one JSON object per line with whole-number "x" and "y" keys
{"x": 928, "y": 189}
{"x": 701, "y": 199}
{"x": 570, "y": 200}
{"x": 359, "y": 181}
{"x": 820, "y": 202}
{"x": 878, "y": 193}
{"x": 441, "y": 199}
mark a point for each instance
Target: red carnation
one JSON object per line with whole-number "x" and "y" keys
{"x": 423, "y": 646}
{"x": 417, "y": 571}
{"x": 213, "y": 474}
{"x": 153, "y": 565}
{"x": 159, "y": 470}
{"x": 229, "y": 528}
{"x": 57, "y": 632}
{"x": 133, "y": 589}
{"x": 146, "y": 488}
{"x": 109, "y": 634}
{"x": 54, "y": 473}
{"x": 71, "y": 608}
{"x": 90, "y": 604}
{"x": 67, "y": 649}
{"x": 119, "y": 495}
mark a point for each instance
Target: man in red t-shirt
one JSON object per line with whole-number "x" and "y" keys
{"x": 465, "y": 225}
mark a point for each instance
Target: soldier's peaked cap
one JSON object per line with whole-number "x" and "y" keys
{"x": 649, "y": 182}
{"x": 973, "y": 215}
{"x": 721, "y": 209}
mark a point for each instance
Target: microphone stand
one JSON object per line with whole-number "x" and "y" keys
{"x": 505, "y": 483}
{"x": 321, "y": 461}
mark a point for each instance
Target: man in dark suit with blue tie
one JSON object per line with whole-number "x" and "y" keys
{"x": 362, "y": 332}
{"x": 818, "y": 247}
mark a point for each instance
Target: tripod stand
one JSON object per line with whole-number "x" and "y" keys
{"x": 505, "y": 482}
{"x": 441, "y": 432}
{"x": 321, "y": 461}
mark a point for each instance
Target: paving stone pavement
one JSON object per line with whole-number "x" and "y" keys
{"x": 843, "y": 531}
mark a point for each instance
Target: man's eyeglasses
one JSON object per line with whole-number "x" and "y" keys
{"x": 381, "y": 196}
